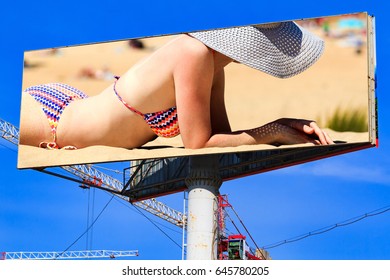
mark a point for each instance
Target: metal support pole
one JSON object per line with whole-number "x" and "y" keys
{"x": 184, "y": 238}
{"x": 203, "y": 184}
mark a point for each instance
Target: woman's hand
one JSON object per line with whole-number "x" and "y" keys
{"x": 287, "y": 131}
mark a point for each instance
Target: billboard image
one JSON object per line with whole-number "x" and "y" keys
{"x": 203, "y": 92}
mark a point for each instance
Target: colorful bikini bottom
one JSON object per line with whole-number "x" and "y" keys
{"x": 54, "y": 98}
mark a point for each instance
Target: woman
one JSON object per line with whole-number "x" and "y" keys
{"x": 182, "y": 83}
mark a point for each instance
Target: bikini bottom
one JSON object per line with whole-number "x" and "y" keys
{"x": 54, "y": 98}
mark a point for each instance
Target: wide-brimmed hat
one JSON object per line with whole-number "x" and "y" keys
{"x": 280, "y": 49}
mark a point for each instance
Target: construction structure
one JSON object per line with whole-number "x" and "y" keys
{"x": 89, "y": 254}
{"x": 234, "y": 246}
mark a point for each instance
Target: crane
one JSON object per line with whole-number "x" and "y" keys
{"x": 234, "y": 246}
{"x": 67, "y": 255}
{"x": 87, "y": 174}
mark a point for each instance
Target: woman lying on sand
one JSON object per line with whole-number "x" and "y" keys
{"x": 182, "y": 84}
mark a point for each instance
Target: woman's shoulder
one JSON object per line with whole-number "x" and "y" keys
{"x": 187, "y": 52}
{"x": 192, "y": 46}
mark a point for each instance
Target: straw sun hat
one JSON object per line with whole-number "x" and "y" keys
{"x": 279, "y": 49}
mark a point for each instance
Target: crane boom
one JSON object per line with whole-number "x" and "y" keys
{"x": 94, "y": 177}
{"x": 9, "y": 132}
{"x": 67, "y": 255}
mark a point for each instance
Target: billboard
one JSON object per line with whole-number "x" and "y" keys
{"x": 88, "y": 104}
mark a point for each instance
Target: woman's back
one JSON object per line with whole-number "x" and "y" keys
{"x": 148, "y": 87}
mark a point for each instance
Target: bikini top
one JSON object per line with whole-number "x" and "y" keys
{"x": 163, "y": 123}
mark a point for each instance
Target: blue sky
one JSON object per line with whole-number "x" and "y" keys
{"x": 39, "y": 212}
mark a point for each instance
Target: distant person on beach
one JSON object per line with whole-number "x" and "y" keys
{"x": 136, "y": 44}
{"x": 98, "y": 74}
{"x": 178, "y": 89}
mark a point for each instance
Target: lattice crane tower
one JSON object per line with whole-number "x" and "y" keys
{"x": 87, "y": 174}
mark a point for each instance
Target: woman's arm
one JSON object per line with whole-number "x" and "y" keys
{"x": 194, "y": 84}
{"x": 279, "y": 132}
{"x": 193, "y": 79}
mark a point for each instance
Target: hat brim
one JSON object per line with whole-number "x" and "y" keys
{"x": 282, "y": 51}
